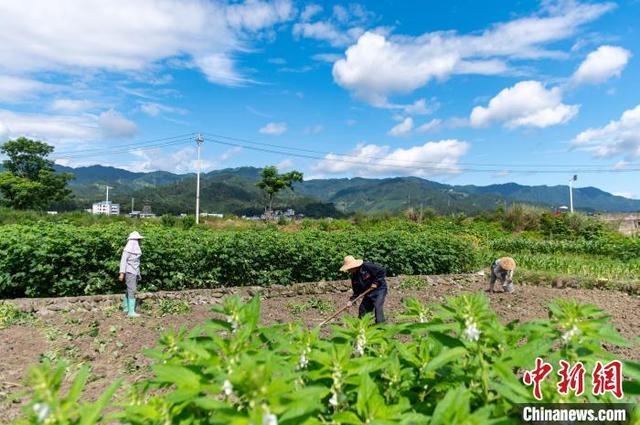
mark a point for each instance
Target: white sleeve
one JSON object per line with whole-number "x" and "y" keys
{"x": 123, "y": 261}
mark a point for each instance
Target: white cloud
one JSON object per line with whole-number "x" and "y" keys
{"x": 419, "y": 107}
{"x": 402, "y": 129}
{"x": 278, "y": 61}
{"x": 274, "y": 128}
{"x": 327, "y": 57}
{"x": 314, "y": 129}
{"x": 628, "y": 195}
{"x": 619, "y": 137}
{"x": 4, "y": 132}
{"x": 114, "y": 124}
{"x": 432, "y": 158}
{"x": 342, "y": 28}
{"x": 620, "y": 165}
{"x": 602, "y": 64}
{"x": 432, "y": 125}
{"x": 298, "y": 70}
{"x": 220, "y": 68}
{"x": 255, "y": 15}
{"x": 526, "y": 104}
{"x": 309, "y": 12}
{"x": 65, "y": 129}
{"x": 15, "y": 89}
{"x": 327, "y": 31}
{"x": 72, "y": 105}
{"x": 230, "y": 153}
{"x": 180, "y": 161}
{"x": 377, "y": 66}
{"x": 154, "y": 109}
{"x": 52, "y": 128}
{"x": 351, "y": 122}
{"x": 285, "y": 165}
{"x": 256, "y": 112}
{"x": 122, "y": 35}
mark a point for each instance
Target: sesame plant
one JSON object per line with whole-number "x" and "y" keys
{"x": 51, "y": 405}
{"x": 453, "y": 363}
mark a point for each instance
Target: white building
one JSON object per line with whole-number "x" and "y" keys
{"x": 105, "y": 207}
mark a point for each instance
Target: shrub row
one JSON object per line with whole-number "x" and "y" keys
{"x": 51, "y": 259}
{"x": 623, "y": 248}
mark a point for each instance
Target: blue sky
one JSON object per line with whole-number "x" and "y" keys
{"x": 458, "y": 92}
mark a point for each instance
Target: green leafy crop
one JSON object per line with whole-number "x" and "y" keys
{"x": 453, "y": 363}
{"x": 51, "y": 259}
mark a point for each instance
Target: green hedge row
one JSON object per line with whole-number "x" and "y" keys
{"x": 50, "y": 259}
{"x": 622, "y": 248}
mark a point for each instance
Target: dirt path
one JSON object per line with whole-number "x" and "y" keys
{"x": 113, "y": 345}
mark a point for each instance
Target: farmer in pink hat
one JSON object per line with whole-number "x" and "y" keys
{"x": 130, "y": 272}
{"x": 365, "y": 276}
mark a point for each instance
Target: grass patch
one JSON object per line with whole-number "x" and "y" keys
{"x": 320, "y": 305}
{"x": 313, "y": 304}
{"x": 172, "y": 307}
{"x": 10, "y": 315}
{"x": 297, "y": 309}
{"x": 561, "y": 280}
{"x": 413, "y": 282}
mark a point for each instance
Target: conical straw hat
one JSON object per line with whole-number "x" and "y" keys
{"x": 507, "y": 263}
{"x": 350, "y": 263}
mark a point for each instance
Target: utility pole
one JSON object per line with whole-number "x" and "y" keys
{"x": 575, "y": 177}
{"x": 199, "y": 141}
{"x": 132, "y": 205}
{"x": 107, "y": 187}
{"x": 106, "y": 203}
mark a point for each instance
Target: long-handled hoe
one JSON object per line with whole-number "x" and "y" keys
{"x": 328, "y": 319}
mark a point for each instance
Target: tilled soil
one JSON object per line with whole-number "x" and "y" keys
{"x": 113, "y": 345}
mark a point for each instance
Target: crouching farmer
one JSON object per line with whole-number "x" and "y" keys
{"x": 502, "y": 269}
{"x": 365, "y": 276}
{"x": 130, "y": 272}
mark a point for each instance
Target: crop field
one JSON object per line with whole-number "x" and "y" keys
{"x": 449, "y": 353}
{"x": 113, "y": 347}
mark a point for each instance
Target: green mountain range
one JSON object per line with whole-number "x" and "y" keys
{"x": 234, "y": 191}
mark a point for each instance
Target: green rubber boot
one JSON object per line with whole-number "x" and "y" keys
{"x": 125, "y": 305}
{"x": 132, "y": 307}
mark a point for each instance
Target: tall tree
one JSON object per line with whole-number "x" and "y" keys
{"x": 272, "y": 183}
{"x": 30, "y": 182}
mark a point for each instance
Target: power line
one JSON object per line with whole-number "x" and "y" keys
{"x": 470, "y": 167}
{"x": 405, "y": 164}
{"x": 138, "y": 143}
{"x": 473, "y": 164}
{"x": 108, "y": 151}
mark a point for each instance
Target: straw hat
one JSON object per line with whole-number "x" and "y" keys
{"x": 507, "y": 263}
{"x": 135, "y": 235}
{"x": 350, "y": 263}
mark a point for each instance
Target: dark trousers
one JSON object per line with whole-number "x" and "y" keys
{"x": 373, "y": 302}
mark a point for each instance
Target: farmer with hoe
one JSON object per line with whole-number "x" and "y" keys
{"x": 370, "y": 278}
{"x": 130, "y": 272}
{"x": 502, "y": 269}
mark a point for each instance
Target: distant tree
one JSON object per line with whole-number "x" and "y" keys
{"x": 30, "y": 181}
{"x": 272, "y": 183}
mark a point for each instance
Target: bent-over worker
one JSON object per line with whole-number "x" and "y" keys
{"x": 366, "y": 275}
{"x": 502, "y": 269}
{"x": 130, "y": 272}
